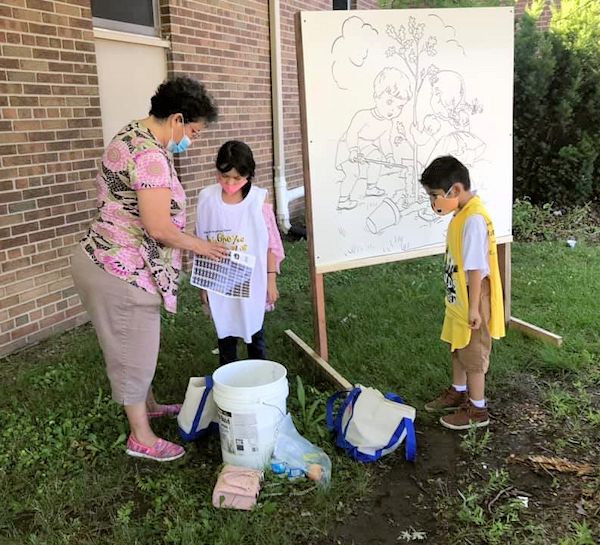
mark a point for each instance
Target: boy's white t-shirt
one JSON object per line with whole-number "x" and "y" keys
{"x": 241, "y": 227}
{"x": 476, "y": 246}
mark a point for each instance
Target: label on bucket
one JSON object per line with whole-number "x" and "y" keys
{"x": 239, "y": 432}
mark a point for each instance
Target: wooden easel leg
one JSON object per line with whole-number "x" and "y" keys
{"x": 504, "y": 263}
{"x": 320, "y": 322}
{"x": 316, "y": 279}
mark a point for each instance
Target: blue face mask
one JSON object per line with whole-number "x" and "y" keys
{"x": 180, "y": 147}
{"x": 183, "y": 145}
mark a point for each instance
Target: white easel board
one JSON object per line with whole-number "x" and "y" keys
{"x": 386, "y": 91}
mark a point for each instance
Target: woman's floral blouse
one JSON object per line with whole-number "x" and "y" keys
{"x": 117, "y": 241}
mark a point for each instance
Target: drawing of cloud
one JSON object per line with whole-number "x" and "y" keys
{"x": 446, "y": 34}
{"x": 350, "y": 50}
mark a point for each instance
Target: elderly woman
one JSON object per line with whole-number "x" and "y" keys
{"x": 128, "y": 263}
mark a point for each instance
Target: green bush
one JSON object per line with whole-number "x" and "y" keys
{"x": 535, "y": 223}
{"x": 557, "y": 104}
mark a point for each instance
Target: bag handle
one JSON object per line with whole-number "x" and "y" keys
{"x": 208, "y": 386}
{"x": 334, "y": 422}
{"x": 411, "y": 441}
{"x": 349, "y": 401}
{"x": 405, "y": 425}
{"x": 342, "y": 442}
{"x": 394, "y": 397}
{"x": 330, "y": 403}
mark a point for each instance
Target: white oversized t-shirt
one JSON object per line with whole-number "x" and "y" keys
{"x": 240, "y": 227}
{"x": 476, "y": 246}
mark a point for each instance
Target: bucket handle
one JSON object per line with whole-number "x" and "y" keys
{"x": 271, "y": 405}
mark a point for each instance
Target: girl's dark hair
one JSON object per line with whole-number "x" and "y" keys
{"x": 238, "y": 155}
{"x": 186, "y": 96}
{"x": 444, "y": 172}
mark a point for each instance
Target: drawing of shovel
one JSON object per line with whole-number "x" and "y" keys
{"x": 385, "y": 163}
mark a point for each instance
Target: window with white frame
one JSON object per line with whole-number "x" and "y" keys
{"x": 342, "y": 4}
{"x": 133, "y": 16}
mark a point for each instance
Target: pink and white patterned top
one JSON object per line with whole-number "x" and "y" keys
{"x": 116, "y": 240}
{"x": 275, "y": 242}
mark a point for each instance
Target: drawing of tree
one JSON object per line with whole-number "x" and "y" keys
{"x": 411, "y": 46}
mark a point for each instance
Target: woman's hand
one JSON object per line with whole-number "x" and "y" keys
{"x": 272, "y": 291}
{"x": 155, "y": 213}
{"x": 212, "y": 250}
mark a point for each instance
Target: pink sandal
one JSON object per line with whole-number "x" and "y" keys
{"x": 161, "y": 451}
{"x": 167, "y": 410}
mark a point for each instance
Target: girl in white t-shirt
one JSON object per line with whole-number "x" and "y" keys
{"x": 235, "y": 212}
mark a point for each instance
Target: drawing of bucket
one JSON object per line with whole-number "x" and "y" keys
{"x": 384, "y": 216}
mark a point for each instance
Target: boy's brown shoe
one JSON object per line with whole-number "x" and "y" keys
{"x": 466, "y": 417}
{"x": 449, "y": 400}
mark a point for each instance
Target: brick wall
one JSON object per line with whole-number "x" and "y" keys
{"x": 50, "y": 139}
{"x": 226, "y": 45}
{"x": 291, "y": 103}
{"x": 365, "y": 4}
{"x": 544, "y": 21}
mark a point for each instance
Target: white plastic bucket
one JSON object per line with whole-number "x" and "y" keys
{"x": 251, "y": 400}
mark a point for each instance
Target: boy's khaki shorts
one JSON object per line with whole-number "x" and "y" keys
{"x": 475, "y": 357}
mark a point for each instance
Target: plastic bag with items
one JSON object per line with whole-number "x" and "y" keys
{"x": 299, "y": 455}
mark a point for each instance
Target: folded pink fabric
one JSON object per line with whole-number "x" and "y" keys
{"x": 237, "y": 488}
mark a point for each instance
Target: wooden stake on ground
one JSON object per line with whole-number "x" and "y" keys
{"x": 535, "y": 331}
{"x": 331, "y": 374}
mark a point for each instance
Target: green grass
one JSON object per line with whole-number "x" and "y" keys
{"x": 64, "y": 478}
{"x": 493, "y": 523}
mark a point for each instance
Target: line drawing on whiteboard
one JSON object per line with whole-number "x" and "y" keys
{"x": 366, "y": 145}
{"x": 420, "y": 111}
{"x": 350, "y": 49}
{"x": 453, "y": 39}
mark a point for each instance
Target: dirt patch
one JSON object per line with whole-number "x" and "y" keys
{"x": 410, "y": 499}
{"x": 402, "y": 498}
